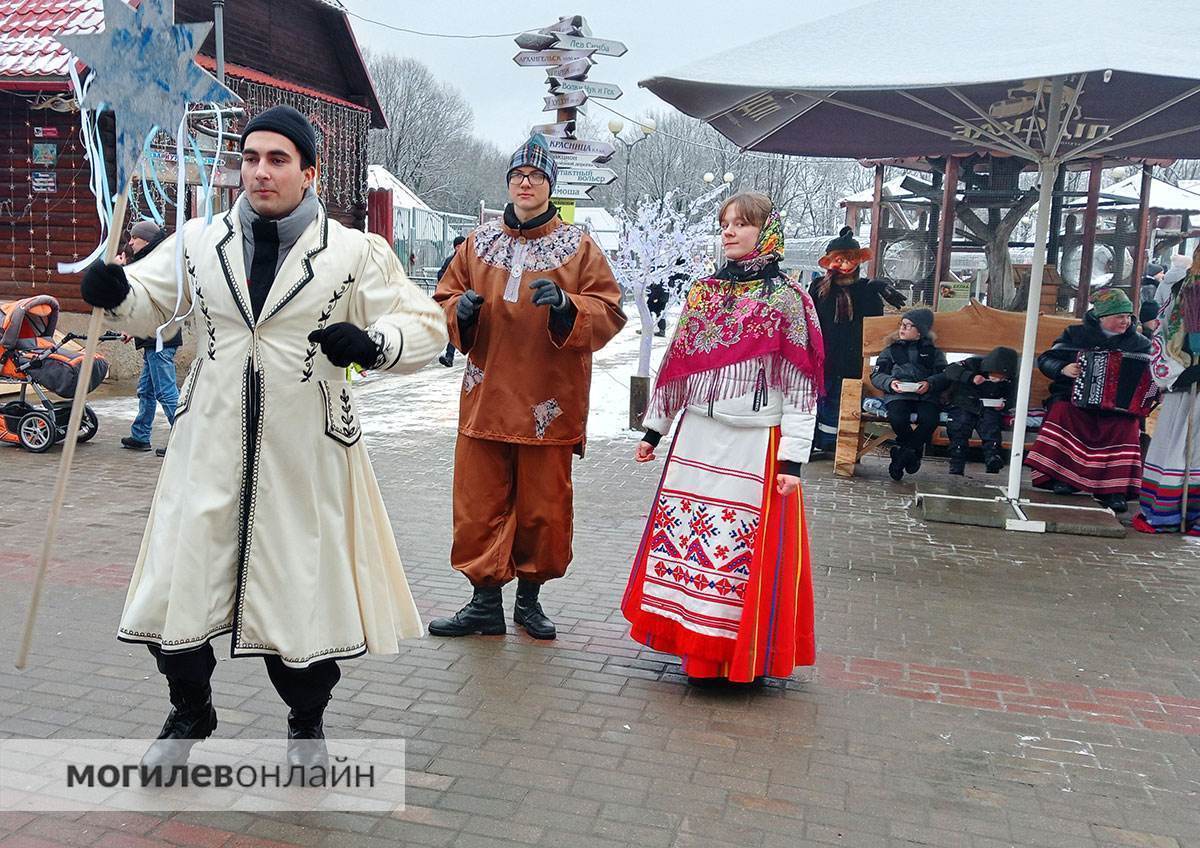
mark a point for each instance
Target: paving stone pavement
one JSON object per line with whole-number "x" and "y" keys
{"x": 973, "y": 688}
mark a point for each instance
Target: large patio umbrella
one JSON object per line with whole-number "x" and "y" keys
{"x": 1048, "y": 82}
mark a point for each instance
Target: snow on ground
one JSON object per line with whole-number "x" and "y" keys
{"x": 393, "y": 404}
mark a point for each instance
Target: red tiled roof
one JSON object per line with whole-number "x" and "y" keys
{"x": 27, "y": 48}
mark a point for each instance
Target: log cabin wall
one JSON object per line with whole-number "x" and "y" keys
{"x": 47, "y": 211}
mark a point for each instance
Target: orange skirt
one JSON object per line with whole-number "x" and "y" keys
{"x": 723, "y": 578}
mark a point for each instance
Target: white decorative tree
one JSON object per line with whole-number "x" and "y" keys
{"x": 658, "y": 240}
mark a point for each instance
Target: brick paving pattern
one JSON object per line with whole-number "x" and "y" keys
{"x": 973, "y": 688}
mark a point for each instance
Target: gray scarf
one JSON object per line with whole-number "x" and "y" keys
{"x": 291, "y": 226}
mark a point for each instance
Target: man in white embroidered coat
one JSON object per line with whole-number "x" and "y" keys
{"x": 268, "y": 522}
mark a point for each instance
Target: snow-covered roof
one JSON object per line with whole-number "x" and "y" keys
{"x": 1163, "y": 195}
{"x": 600, "y": 224}
{"x": 403, "y": 197}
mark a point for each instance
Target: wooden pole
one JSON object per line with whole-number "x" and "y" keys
{"x": 68, "y": 452}
{"x": 1143, "y": 237}
{"x": 941, "y": 268}
{"x": 1087, "y": 250}
{"x": 876, "y": 223}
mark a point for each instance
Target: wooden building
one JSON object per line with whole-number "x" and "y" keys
{"x": 302, "y": 52}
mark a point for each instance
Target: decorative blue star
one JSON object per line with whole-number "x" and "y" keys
{"x": 145, "y": 73}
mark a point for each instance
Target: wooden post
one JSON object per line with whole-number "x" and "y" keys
{"x": 1143, "y": 237}
{"x": 1087, "y": 250}
{"x": 941, "y": 268}
{"x": 1053, "y": 245}
{"x": 876, "y": 223}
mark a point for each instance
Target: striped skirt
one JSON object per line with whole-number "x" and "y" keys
{"x": 722, "y": 577}
{"x": 1167, "y": 465}
{"x": 1096, "y": 452}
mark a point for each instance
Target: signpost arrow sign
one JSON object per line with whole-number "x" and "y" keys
{"x": 597, "y": 151}
{"x": 562, "y": 129}
{"x": 570, "y": 100}
{"x": 573, "y": 70}
{"x": 535, "y": 40}
{"x": 549, "y": 58}
{"x": 572, "y": 192}
{"x": 587, "y": 176}
{"x": 598, "y": 90}
{"x": 603, "y": 46}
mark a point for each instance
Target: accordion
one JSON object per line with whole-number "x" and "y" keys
{"x": 1113, "y": 381}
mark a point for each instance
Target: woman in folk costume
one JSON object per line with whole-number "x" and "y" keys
{"x": 1090, "y": 450}
{"x": 1168, "y": 464}
{"x": 722, "y": 576}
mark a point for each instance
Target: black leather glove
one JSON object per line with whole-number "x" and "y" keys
{"x": 104, "y": 285}
{"x": 889, "y": 293}
{"x": 547, "y": 293}
{"x": 468, "y": 307}
{"x": 344, "y": 344}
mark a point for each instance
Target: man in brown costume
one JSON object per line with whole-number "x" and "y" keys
{"x": 528, "y": 299}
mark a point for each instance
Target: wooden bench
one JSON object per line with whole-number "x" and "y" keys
{"x": 975, "y": 329}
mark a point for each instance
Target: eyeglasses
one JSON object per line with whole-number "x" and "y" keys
{"x": 537, "y": 178}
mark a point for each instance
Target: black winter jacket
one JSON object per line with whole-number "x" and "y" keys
{"x": 1085, "y": 336}
{"x": 964, "y": 394}
{"x": 910, "y": 362}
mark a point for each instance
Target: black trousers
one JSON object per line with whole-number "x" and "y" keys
{"x": 964, "y": 422}
{"x": 913, "y": 436}
{"x": 305, "y": 690}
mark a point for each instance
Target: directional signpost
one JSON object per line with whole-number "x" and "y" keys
{"x": 549, "y": 58}
{"x": 567, "y": 50}
{"x": 587, "y": 176}
{"x": 599, "y": 90}
{"x": 572, "y": 192}
{"x": 573, "y": 70}
{"x": 603, "y": 46}
{"x": 597, "y": 151}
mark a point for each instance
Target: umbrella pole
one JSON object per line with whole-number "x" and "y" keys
{"x": 68, "y": 451}
{"x": 1047, "y": 172}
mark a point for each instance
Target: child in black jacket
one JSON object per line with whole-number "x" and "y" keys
{"x": 982, "y": 390}
{"x": 910, "y": 373}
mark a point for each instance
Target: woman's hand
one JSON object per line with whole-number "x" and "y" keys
{"x": 786, "y": 484}
{"x": 922, "y": 387}
{"x": 1071, "y": 370}
{"x": 645, "y": 452}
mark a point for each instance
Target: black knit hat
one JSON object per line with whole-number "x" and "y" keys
{"x": 288, "y": 123}
{"x": 1001, "y": 360}
{"x": 922, "y": 319}
{"x": 844, "y": 241}
{"x": 1148, "y": 311}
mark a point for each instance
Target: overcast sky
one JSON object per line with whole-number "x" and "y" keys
{"x": 661, "y": 36}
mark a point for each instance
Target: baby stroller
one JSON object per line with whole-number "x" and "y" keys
{"x": 31, "y": 357}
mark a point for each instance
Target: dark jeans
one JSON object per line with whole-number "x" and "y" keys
{"x": 156, "y": 387}
{"x": 302, "y": 689}
{"x": 963, "y": 423}
{"x": 914, "y": 436}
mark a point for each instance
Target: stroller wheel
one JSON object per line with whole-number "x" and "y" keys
{"x": 89, "y": 425}
{"x": 36, "y": 431}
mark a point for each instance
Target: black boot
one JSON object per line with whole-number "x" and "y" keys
{"x": 896, "y": 466}
{"x": 912, "y": 462}
{"x": 483, "y": 615}
{"x": 191, "y": 719}
{"x": 958, "y": 458}
{"x": 1116, "y": 503}
{"x": 306, "y": 739}
{"x": 993, "y": 463}
{"x": 528, "y": 612}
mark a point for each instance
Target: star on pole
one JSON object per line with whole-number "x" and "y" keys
{"x": 144, "y": 71}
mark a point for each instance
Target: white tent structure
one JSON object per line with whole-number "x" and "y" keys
{"x": 600, "y": 225}
{"x": 1046, "y": 82}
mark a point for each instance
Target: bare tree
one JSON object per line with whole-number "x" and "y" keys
{"x": 429, "y": 124}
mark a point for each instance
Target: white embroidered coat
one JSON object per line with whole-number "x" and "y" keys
{"x": 268, "y": 521}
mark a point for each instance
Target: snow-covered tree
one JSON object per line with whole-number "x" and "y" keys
{"x": 660, "y": 239}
